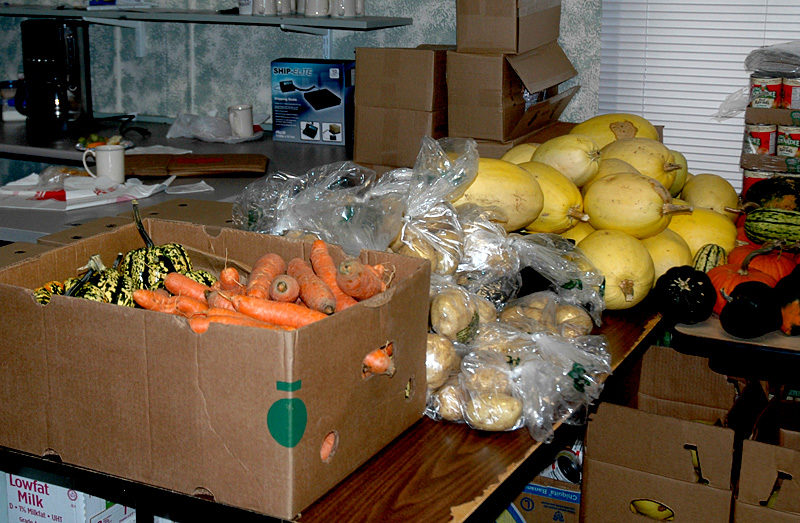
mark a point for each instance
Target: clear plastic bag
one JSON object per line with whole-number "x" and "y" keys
{"x": 733, "y": 104}
{"x": 454, "y": 311}
{"x": 435, "y": 236}
{"x": 206, "y": 128}
{"x": 546, "y": 311}
{"x": 573, "y": 276}
{"x": 780, "y": 59}
{"x": 492, "y": 401}
{"x": 342, "y": 203}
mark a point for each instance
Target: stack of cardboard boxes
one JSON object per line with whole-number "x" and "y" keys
{"x": 499, "y": 85}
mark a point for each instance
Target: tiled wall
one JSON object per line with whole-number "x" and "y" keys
{"x": 202, "y": 68}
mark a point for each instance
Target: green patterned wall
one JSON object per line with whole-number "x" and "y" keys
{"x": 202, "y": 68}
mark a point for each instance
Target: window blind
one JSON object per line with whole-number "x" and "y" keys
{"x": 674, "y": 62}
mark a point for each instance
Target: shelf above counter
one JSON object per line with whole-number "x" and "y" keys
{"x": 355, "y": 23}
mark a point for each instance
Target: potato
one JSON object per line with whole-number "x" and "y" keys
{"x": 454, "y": 315}
{"x": 487, "y": 379}
{"x": 573, "y": 321}
{"x": 486, "y": 311}
{"x": 441, "y": 360}
{"x": 448, "y": 400}
{"x": 494, "y": 411}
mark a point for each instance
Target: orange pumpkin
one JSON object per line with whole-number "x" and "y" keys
{"x": 741, "y": 237}
{"x": 773, "y": 261}
{"x": 726, "y": 277}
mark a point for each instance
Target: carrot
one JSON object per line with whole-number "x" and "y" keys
{"x": 154, "y": 301}
{"x": 358, "y": 280}
{"x": 378, "y": 361}
{"x": 284, "y": 288}
{"x": 264, "y": 271}
{"x": 230, "y": 280}
{"x": 181, "y": 285}
{"x": 325, "y": 268}
{"x": 200, "y": 323}
{"x": 279, "y": 313}
{"x": 219, "y": 311}
{"x": 188, "y": 306}
{"x": 217, "y": 300}
{"x": 313, "y": 290}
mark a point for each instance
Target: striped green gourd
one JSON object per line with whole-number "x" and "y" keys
{"x": 202, "y": 276}
{"x": 45, "y": 292}
{"x": 709, "y": 256}
{"x": 765, "y": 224}
{"x": 149, "y": 265}
{"x": 116, "y": 287}
{"x": 81, "y": 288}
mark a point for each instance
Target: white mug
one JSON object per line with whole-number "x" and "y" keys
{"x": 343, "y": 7}
{"x": 360, "y": 8}
{"x": 240, "y": 117}
{"x": 245, "y": 7}
{"x": 316, "y": 8}
{"x": 264, "y": 7}
{"x": 109, "y": 161}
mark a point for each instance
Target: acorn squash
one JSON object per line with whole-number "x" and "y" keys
{"x": 684, "y": 295}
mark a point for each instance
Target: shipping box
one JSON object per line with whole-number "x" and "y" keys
{"x": 18, "y": 251}
{"x": 673, "y": 461}
{"x": 401, "y": 96}
{"x": 764, "y": 162}
{"x": 485, "y": 92}
{"x": 544, "y": 500}
{"x": 769, "y": 489}
{"x": 506, "y": 26}
{"x": 312, "y": 100}
{"x": 240, "y": 412}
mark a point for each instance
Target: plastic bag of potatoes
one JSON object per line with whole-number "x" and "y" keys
{"x": 546, "y": 311}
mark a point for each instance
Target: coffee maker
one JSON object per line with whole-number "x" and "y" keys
{"x": 55, "y": 94}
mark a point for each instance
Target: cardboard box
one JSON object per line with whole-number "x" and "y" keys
{"x": 545, "y": 500}
{"x": 240, "y": 412}
{"x": 84, "y": 230}
{"x": 485, "y": 92}
{"x": 790, "y": 439}
{"x": 638, "y": 459}
{"x": 386, "y": 136}
{"x": 205, "y": 212}
{"x": 312, "y": 100}
{"x": 401, "y": 78}
{"x": 768, "y": 487}
{"x": 773, "y": 163}
{"x": 506, "y": 26}
{"x": 667, "y": 450}
{"x": 18, "y": 251}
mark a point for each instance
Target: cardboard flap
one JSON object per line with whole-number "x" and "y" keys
{"x": 194, "y": 164}
{"x": 657, "y": 445}
{"x": 542, "y": 67}
{"x": 544, "y": 112}
{"x": 765, "y": 476}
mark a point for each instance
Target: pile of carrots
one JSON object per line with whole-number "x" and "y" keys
{"x": 275, "y": 295}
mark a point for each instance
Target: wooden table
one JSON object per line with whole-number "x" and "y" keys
{"x": 440, "y": 471}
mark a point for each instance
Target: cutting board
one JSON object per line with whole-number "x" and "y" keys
{"x": 142, "y": 165}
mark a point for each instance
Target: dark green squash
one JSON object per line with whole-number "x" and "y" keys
{"x": 148, "y": 265}
{"x": 777, "y": 192}
{"x": 765, "y": 225}
{"x": 684, "y": 294}
{"x": 752, "y": 310}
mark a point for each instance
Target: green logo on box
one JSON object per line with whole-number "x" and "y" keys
{"x": 287, "y": 417}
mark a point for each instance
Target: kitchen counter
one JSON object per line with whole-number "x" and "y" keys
{"x": 28, "y": 225}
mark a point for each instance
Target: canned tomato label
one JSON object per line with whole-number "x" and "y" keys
{"x": 790, "y": 93}
{"x": 751, "y": 176}
{"x": 760, "y": 138}
{"x": 788, "y": 143}
{"x": 765, "y": 91}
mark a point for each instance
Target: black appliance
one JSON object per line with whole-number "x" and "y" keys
{"x": 55, "y": 94}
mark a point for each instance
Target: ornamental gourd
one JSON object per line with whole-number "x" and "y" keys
{"x": 684, "y": 295}
{"x": 766, "y": 224}
{"x": 507, "y": 187}
{"x": 631, "y": 203}
{"x": 624, "y": 262}
{"x": 788, "y": 292}
{"x": 727, "y": 277}
{"x": 650, "y": 157}
{"x": 709, "y": 256}
{"x": 777, "y": 192}
{"x": 563, "y": 203}
{"x": 751, "y": 310}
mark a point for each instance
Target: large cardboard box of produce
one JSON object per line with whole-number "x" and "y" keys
{"x": 485, "y": 92}
{"x": 769, "y": 489}
{"x": 666, "y": 456}
{"x": 240, "y": 412}
{"x": 544, "y": 500}
{"x": 506, "y": 26}
{"x": 18, "y": 251}
{"x": 402, "y": 78}
{"x": 389, "y": 136}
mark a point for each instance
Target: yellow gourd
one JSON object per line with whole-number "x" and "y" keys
{"x": 624, "y": 262}
{"x": 606, "y": 128}
{"x": 711, "y": 191}
{"x": 681, "y": 174}
{"x": 563, "y": 203}
{"x": 667, "y": 249}
{"x": 574, "y": 155}
{"x": 520, "y": 153}
{"x": 508, "y": 188}
{"x": 650, "y": 157}
{"x": 631, "y": 203}
{"x": 578, "y": 232}
{"x": 609, "y": 166}
{"x": 704, "y": 226}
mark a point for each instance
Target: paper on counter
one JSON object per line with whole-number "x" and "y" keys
{"x": 77, "y": 192}
{"x": 157, "y": 149}
{"x": 189, "y": 188}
